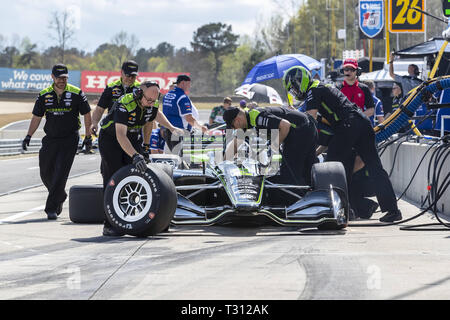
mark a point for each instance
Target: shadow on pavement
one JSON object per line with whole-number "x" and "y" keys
{"x": 39, "y": 220}
{"x": 103, "y": 239}
{"x": 246, "y": 231}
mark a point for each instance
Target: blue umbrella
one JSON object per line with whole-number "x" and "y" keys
{"x": 273, "y": 68}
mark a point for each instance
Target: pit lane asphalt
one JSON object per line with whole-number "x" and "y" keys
{"x": 42, "y": 259}
{"x": 21, "y": 172}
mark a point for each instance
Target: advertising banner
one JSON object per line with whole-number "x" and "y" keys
{"x": 403, "y": 17}
{"x": 96, "y": 81}
{"x": 371, "y": 18}
{"x": 31, "y": 79}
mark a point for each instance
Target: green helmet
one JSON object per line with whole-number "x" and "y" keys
{"x": 297, "y": 81}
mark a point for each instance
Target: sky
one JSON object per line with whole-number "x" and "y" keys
{"x": 151, "y": 21}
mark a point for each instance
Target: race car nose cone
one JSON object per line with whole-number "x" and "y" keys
{"x": 246, "y": 208}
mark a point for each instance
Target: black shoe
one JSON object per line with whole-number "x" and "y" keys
{"x": 52, "y": 216}
{"x": 391, "y": 216}
{"x": 59, "y": 209}
{"x": 109, "y": 231}
{"x": 352, "y": 215}
{"x": 373, "y": 206}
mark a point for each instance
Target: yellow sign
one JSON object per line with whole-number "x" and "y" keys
{"x": 403, "y": 17}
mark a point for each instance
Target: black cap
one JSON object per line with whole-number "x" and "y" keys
{"x": 60, "y": 70}
{"x": 130, "y": 68}
{"x": 182, "y": 77}
{"x": 229, "y": 115}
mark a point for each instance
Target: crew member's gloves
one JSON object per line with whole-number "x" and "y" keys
{"x": 319, "y": 118}
{"x": 26, "y": 142}
{"x": 146, "y": 152}
{"x": 139, "y": 162}
{"x": 87, "y": 142}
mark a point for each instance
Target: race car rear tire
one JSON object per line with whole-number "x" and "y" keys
{"x": 140, "y": 204}
{"x": 322, "y": 176}
{"x": 86, "y": 204}
{"x": 167, "y": 168}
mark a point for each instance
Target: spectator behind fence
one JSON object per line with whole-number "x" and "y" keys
{"x": 217, "y": 112}
{"x": 378, "y": 117}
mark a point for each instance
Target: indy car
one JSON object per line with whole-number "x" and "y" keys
{"x": 218, "y": 192}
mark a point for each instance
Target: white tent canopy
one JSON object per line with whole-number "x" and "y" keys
{"x": 400, "y": 68}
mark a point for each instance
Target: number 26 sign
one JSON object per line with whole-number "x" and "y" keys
{"x": 403, "y": 17}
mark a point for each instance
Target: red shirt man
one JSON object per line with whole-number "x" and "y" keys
{"x": 356, "y": 92}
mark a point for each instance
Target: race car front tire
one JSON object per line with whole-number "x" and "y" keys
{"x": 140, "y": 204}
{"x": 322, "y": 176}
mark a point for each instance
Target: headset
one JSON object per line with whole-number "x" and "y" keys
{"x": 358, "y": 71}
{"x": 416, "y": 70}
{"x": 138, "y": 94}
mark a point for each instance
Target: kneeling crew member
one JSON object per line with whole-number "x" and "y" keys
{"x": 119, "y": 142}
{"x": 352, "y": 130}
{"x": 62, "y": 104}
{"x": 297, "y": 132}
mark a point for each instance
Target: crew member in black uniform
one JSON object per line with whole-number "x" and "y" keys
{"x": 297, "y": 134}
{"x": 120, "y": 143}
{"x": 61, "y": 104}
{"x": 126, "y": 84}
{"x": 352, "y": 130}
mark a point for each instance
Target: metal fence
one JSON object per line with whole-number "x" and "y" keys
{"x": 12, "y": 147}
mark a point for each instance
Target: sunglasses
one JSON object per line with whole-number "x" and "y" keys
{"x": 349, "y": 69}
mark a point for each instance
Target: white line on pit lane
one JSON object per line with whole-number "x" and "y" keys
{"x": 33, "y": 168}
{"x": 22, "y": 214}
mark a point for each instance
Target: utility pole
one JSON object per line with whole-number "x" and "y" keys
{"x": 289, "y": 45}
{"x": 345, "y": 24}
{"x": 330, "y": 6}
{"x": 314, "y": 36}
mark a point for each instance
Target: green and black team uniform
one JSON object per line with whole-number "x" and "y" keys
{"x": 352, "y": 132}
{"x": 298, "y": 149}
{"x": 60, "y": 143}
{"x": 217, "y": 115}
{"x": 129, "y": 112}
{"x": 114, "y": 91}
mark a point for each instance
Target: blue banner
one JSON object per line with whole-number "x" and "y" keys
{"x": 371, "y": 17}
{"x": 31, "y": 79}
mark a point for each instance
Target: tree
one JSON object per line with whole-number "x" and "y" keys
{"x": 7, "y": 56}
{"x": 232, "y": 74}
{"x": 29, "y": 55}
{"x": 125, "y": 45}
{"x": 215, "y": 38}
{"x": 2, "y": 42}
{"x": 63, "y": 27}
{"x": 257, "y": 55}
{"x": 141, "y": 58}
{"x": 164, "y": 49}
{"x": 106, "y": 60}
{"x": 158, "y": 64}
{"x": 273, "y": 34}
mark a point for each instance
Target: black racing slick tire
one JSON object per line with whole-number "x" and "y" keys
{"x": 86, "y": 204}
{"x": 140, "y": 204}
{"x": 326, "y": 173}
{"x": 330, "y": 173}
{"x": 168, "y": 169}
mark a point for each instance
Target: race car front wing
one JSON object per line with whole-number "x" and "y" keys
{"x": 313, "y": 209}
